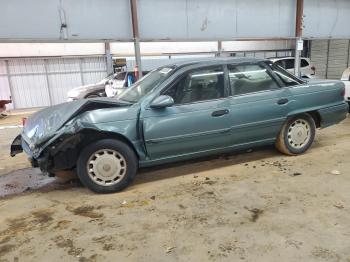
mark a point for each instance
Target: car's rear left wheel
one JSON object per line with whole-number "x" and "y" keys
{"x": 107, "y": 166}
{"x": 297, "y": 135}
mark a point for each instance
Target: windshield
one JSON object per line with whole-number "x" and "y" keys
{"x": 145, "y": 85}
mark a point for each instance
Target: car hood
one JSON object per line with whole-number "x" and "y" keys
{"x": 43, "y": 124}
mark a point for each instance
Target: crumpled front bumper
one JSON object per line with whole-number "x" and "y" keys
{"x": 18, "y": 146}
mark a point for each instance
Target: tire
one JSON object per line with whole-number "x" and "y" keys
{"x": 297, "y": 135}
{"x": 107, "y": 166}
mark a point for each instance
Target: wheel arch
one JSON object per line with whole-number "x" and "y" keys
{"x": 313, "y": 113}
{"x": 91, "y": 135}
{"x": 65, "y": 152}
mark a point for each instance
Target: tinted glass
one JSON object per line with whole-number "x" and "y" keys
{"x": 246, "y": 79}
{"x": 289, "y": 64}
{"x": 280, "y": 63}
{"x": 304, "y": 63}
{"x": 198, "y": 85}
{"x": 287, "y": 78}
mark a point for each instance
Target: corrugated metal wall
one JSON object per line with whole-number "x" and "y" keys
{"x": 330, "y": 57}
{"x": 34, "y": 82}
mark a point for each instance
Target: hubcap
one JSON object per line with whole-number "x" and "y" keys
{"x": 106, "y": 167}
{"x": 299, "y": 133}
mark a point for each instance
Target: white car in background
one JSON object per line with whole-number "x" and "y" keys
{"x": 346, "y": 79}
{"x": 120, "y": 82}
{"x": 307, "y": 70}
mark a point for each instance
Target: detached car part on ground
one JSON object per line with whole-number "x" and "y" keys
{"x": 178, "y": 112}
{"x": 3, "y": 104}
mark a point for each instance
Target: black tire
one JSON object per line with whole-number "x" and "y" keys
{"x": 284, "y": 142}
{"x": 123, "y": 150}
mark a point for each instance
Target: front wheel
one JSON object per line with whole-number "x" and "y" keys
{"x": 107, "y": 166}
{"x": 296, "y": 135}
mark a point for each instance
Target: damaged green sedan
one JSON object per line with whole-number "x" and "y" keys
{"x": 178, "y": 112}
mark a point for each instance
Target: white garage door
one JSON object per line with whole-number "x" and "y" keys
{"x": 39, "y": 82}
{"x": 330, "y": 57}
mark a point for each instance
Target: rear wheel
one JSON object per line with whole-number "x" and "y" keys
{"x": 107, "y": 166}
{"x": 296, "y": 135}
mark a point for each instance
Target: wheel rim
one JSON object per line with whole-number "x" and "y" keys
{"x": 106, "y": 167}
{"x": 299, "y": 133}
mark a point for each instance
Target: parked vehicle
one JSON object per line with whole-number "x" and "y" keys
{"x": 178, "y": 112}
{"x": 118, "y": 84}
{"x": 346, "y": 79}
{"x": 306, "y": 69}
{"x": 90, "y": 91}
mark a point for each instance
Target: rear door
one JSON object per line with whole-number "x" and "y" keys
{"x": 259, "y": 104}
{"x": 198, "y": 122}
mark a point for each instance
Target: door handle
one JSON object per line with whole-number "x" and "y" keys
{"x": 282, "y": 101}
{"x": 220, "y": 112}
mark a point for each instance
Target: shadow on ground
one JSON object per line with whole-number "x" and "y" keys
{"x": 32, "y": 180}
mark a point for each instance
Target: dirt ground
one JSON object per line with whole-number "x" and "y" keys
{"x": 252, "y": 206}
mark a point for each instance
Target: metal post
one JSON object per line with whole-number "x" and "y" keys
{"x": 298, "y": 35}
{"x": 48, "y": 82}
{"x": 10, "y": 83}
{"x": 348, "y": 58}
{"x": 136, "y": 36}
{"x": 109, "y": 59}
{"x": 327, "y": 58}
{"x": 81, "y": 71}
{"x": 219, "y": 48}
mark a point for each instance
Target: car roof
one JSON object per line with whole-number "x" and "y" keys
{"x": 215, "y": 61}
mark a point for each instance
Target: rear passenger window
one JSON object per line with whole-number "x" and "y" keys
{"x": 245, "y": 79}
{"x": 304, "y": 63}
{"x": 289, "y": 64}
{"x": 280, "y": 63}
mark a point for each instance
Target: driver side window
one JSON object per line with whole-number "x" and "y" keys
{"x": 198, "y": 85}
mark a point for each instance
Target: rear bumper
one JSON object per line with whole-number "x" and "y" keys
{"x": 334, "y": 114}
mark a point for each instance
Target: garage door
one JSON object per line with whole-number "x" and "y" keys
{"x": 330, "y": 57}
{"x": 29, "y": 83}
{"x": 40, "y": 82}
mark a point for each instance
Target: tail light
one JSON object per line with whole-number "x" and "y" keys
{"x": 313, "y": 70}
{"x": 24, "y": 121}
{"x": 342, "y": 92}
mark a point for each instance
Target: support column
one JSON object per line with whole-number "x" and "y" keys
{"x": 298, "y": 35}
{"x": 219, "y": 48}
{"x": 109, "y": 59}
{"x": 136, "y": 36}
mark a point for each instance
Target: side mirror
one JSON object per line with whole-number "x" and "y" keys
{"x": 162, "y": 101}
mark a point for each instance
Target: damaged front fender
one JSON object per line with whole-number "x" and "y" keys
{"x": 16, "y": 146}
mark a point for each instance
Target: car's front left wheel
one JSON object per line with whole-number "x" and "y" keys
{"x": 107, "y": 166}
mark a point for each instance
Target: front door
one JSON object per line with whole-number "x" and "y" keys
{"x": 199, "y": 120}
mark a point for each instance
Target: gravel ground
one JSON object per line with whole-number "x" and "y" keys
{"x": 252, "y": 206}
